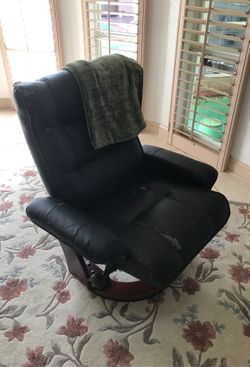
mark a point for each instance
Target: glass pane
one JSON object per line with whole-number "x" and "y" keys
{"x": 121, "y": 7}
{"x": 38, "y": 27}
{"x": 123, "y": 46}
{"x": 229, "y": 30}
{"x": 132, "y": 55}
{"x": 32, "y": 66}
{"x": 12, "y": 24}
{"x": 42, "y": 64}
{"x": 234, "y": 6}
{"x": 27, "y": 32}
{"x": 19, "y": 65}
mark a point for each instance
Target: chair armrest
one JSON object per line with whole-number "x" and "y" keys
{"x": 76, "y": 229}
{"x": 179, "y": 168}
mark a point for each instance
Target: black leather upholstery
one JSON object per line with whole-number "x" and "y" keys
{"x": 148, "y": 211}
{"x": 165, "y": 164}
{"x": 77, "y": 229}
{"x": 52, "y": 116}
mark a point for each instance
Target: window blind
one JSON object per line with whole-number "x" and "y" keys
{"x": 113, "y": 27}
{"x": 209, "y": 52}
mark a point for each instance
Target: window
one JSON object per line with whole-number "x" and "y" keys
{"x": 211, "y": 53}
{"x": 113, "y": 27}
{"x": 29, "y": 42}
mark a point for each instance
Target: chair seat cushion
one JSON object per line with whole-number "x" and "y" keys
{"x": 163, "y": 225}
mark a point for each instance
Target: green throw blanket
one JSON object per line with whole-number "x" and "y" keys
{"x": 111, "y": 90}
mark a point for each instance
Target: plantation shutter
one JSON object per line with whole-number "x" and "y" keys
{"x": 211, "y": 54}
{"x": 112, "y": 27}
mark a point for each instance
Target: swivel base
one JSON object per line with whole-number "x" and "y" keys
{"x": 92, "y": 276}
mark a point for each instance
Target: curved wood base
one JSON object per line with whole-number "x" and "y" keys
{"x": 127, "y": 291}
{"x": 82, "y": 269}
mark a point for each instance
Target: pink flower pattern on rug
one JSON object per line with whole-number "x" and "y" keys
{"x": 48, "y": 318}
{"x": 190, "y": 286}
{"x": 240, "y": 273}
{"x": 36, "y": 358}
{"x": 117, "y": 355}
{"x": 12, "y": 289}
{"x": 17, "y": 332}
{"x": 210, "y": 253}
{"x": 26, "y": 251}
{"x": 73, "y": 328}
{"x": 199, "y": 335}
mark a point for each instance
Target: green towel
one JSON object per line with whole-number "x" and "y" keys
{"x": 111, "y": 90}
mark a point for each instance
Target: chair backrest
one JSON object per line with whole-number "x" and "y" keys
{"x": 53, "y": 121}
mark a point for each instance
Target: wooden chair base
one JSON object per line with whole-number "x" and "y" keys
{"x": 127, "y": 291}
{"x": 83, "y": 269}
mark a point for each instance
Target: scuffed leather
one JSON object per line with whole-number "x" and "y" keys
{"x": 77, "y": 229}
{"x": 177, "y": 167}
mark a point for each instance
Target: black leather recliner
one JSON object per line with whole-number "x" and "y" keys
{"x": 144, "y": 210}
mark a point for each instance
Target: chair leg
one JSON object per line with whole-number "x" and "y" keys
{"x": 76, "y": 264}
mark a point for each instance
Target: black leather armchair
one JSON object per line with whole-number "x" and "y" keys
{"x": 143, "y": 210}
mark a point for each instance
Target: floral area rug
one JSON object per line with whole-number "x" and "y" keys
{"x": 48, "y": 318}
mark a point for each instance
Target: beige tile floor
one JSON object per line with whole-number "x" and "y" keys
{"x": 14, "y": 153}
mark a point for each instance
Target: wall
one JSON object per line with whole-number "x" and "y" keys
{"x": 241, "y": 147}
{"x": 161, "y": 33}
{"x": 4, "y": 90}
{"x": 71, "y": 29}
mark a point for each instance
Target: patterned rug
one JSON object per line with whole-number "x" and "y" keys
{"x": 47, "y": 318}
